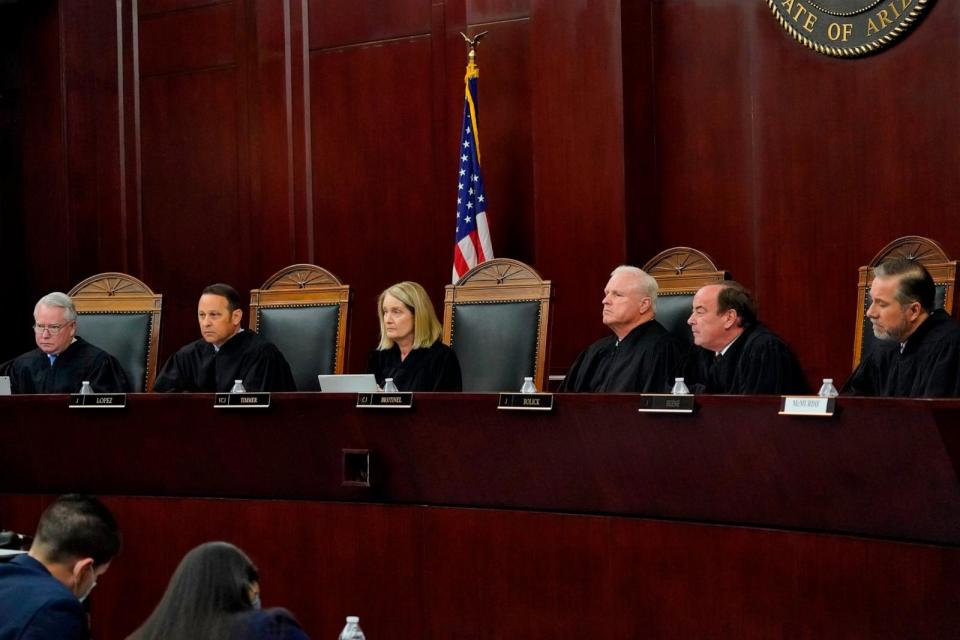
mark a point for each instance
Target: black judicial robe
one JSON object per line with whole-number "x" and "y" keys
{"x": 32, "y": 373}
{"x": 929, "y": 366}
{"x": 434, "y": 368}
{"x": 643, "y": 362}
{"x": 198, "y": 367}
{"x": 758, "y": 362}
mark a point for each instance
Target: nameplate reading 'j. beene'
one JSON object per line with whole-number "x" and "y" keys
{"x": 666, "y": 403}
{"x": 98, "y": 401}
{"x": 807, "y": 406}
{"x": 402, "y": 400}
{"x": 526, "y": 401}
{"x": 242, "y": 401}
{"x": 847, "y": 28}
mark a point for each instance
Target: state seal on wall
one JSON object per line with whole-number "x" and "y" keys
{"x": 847, "y": 28}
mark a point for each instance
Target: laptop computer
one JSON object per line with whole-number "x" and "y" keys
{"x": 4, "y": 385}
{"x": 347, "y": 383}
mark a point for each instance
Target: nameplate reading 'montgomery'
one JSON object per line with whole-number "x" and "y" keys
{"x": 242, "y": 401}
{"x": 402, "y": 400}
{"x": 98, "y": 400}
{"x": 807, "y": 406}
{"x": 526, "y": 401}
{"x": 666, "y": 403}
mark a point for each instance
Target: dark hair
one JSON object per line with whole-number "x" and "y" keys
{"x": 77, "y": 526}
{"x": 916, "y": 284}
{"x": 228, "y": 292}
{"x": 737, "y": 297}
{"x": 207, "y": 594}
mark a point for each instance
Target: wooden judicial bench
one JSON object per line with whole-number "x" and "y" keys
{"x": 592, "y": 520}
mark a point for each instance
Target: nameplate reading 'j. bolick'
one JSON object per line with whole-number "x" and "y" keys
{"x": 98, "y": 401}
{"x": 847, "y": 28}
{"x": 242, "y": 401}
{"x": 402, "y": 400}
{"x": 526, "y": 401}
{"x": 807, "y": 406}
{"x": 666, "y": 403}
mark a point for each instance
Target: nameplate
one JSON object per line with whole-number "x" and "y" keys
{"x": 807, "y": 406}
{"x": 402, "y": 400}
{"x": 241, "y": 401}
{"x": 98, "y": 400}
{"x": 666, "y": 403}
{"x": 526, "y": 401}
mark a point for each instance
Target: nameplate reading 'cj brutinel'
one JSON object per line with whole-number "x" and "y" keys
{"x": 98, "y": 401}
{"x": 807, "y": 406}
{"x": 666, "y": 403}
{"x": 242, "y": 401}
{"x": 526, "y": 401}
{"x": 402, "y": 400}
{"x": 847, "y": 28}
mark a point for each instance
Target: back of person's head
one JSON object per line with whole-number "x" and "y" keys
{"x": 226, "y": 291}
{"x": 916, "y": 283}
{"x": 77, "y": 526}
{"x": 735, "y": 296}
{"x": 209, "y": 588}
{"x": 426, "y": 326}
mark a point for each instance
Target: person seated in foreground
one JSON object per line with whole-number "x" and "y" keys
{"x": 62, "y": 360}
{"x": 917, "y": 354}
{"x": 42, "y": 592}
{"x": 214, "y": 594}
{"x": 734, "y": 352}
{"x": 225, "y": 352}
{"x": 641, "y": 355}
{"x": 410, "y": 349}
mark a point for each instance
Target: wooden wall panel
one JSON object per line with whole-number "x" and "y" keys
{"x": 188, "y": 40}
{"x": 484, "y": 11}
{"x": 342, "y": 22}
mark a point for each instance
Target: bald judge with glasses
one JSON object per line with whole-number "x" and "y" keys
{"x": 62, "y": 360}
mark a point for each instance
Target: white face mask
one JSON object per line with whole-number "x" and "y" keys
{"x": 83, "y": 597}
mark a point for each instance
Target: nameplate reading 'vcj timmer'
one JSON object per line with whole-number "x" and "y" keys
{"x": 847, "y": 28}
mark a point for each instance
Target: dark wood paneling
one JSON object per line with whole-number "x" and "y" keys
{"x": 188, "y": 40}
{"x": 483, "y": 11}
{"x": 151, "y": 7}
{"x": 375, "y": 222}
{"x": 342, "y": 22}
{"x": 578, "y": 162}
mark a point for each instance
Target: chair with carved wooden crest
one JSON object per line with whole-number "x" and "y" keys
{"x": 303, "y": 309}
{"x": 497, "y": 319}
{"x": 121, "y": 315}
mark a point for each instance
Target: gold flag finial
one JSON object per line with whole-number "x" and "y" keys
{"x": 473, "y": 42}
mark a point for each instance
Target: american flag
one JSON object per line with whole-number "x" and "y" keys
{"x": 472, "y": 244}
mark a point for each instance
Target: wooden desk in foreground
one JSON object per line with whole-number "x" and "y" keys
{"x": 479, "y": 523}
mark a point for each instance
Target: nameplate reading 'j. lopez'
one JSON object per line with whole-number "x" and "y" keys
{"x": 526, "y": 401}
{"x": 807, "y": 406}
{"x": 242, "y": 401}
{"x": 666, "y": 403}
{"x": 98, "y": 401}
{"x": 847, "y": 28}
{"x": 402, "y": 400}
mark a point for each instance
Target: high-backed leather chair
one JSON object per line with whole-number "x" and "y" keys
{"x": 680, "y": 272}
{"x": 121, "y": 315}
{"x": 497, "y": 318}
{"x": 927, "y": 252}
{"x": 303, "y": 310}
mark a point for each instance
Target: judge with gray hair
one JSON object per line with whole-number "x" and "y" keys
{"x": 641, "y": 355}
{"x": 62, "y": 360}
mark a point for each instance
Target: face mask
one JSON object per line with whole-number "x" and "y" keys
{"x": 92, "y": 585}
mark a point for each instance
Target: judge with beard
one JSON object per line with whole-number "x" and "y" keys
{"x": 62, "y": 360}
{"x": 641, "y": 355}
{"x": 225, "y": 352}
{"x": 918, "y": 351}
{"x": 735, "y": 353}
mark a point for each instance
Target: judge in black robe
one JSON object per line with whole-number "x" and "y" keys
{"x": 917, "y": 353}
{"x": 225, "y": 353}
{"x": 32, "y": 372}
{"x": 641, "y": 356}
{"x": 410, "y": 350}
{"x": 735, "y": 353}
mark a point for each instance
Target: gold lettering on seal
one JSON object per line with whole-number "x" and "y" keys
{"x": 837, "y": 31}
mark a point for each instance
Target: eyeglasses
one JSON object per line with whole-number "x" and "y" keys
{"x": 52, "y": 329}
